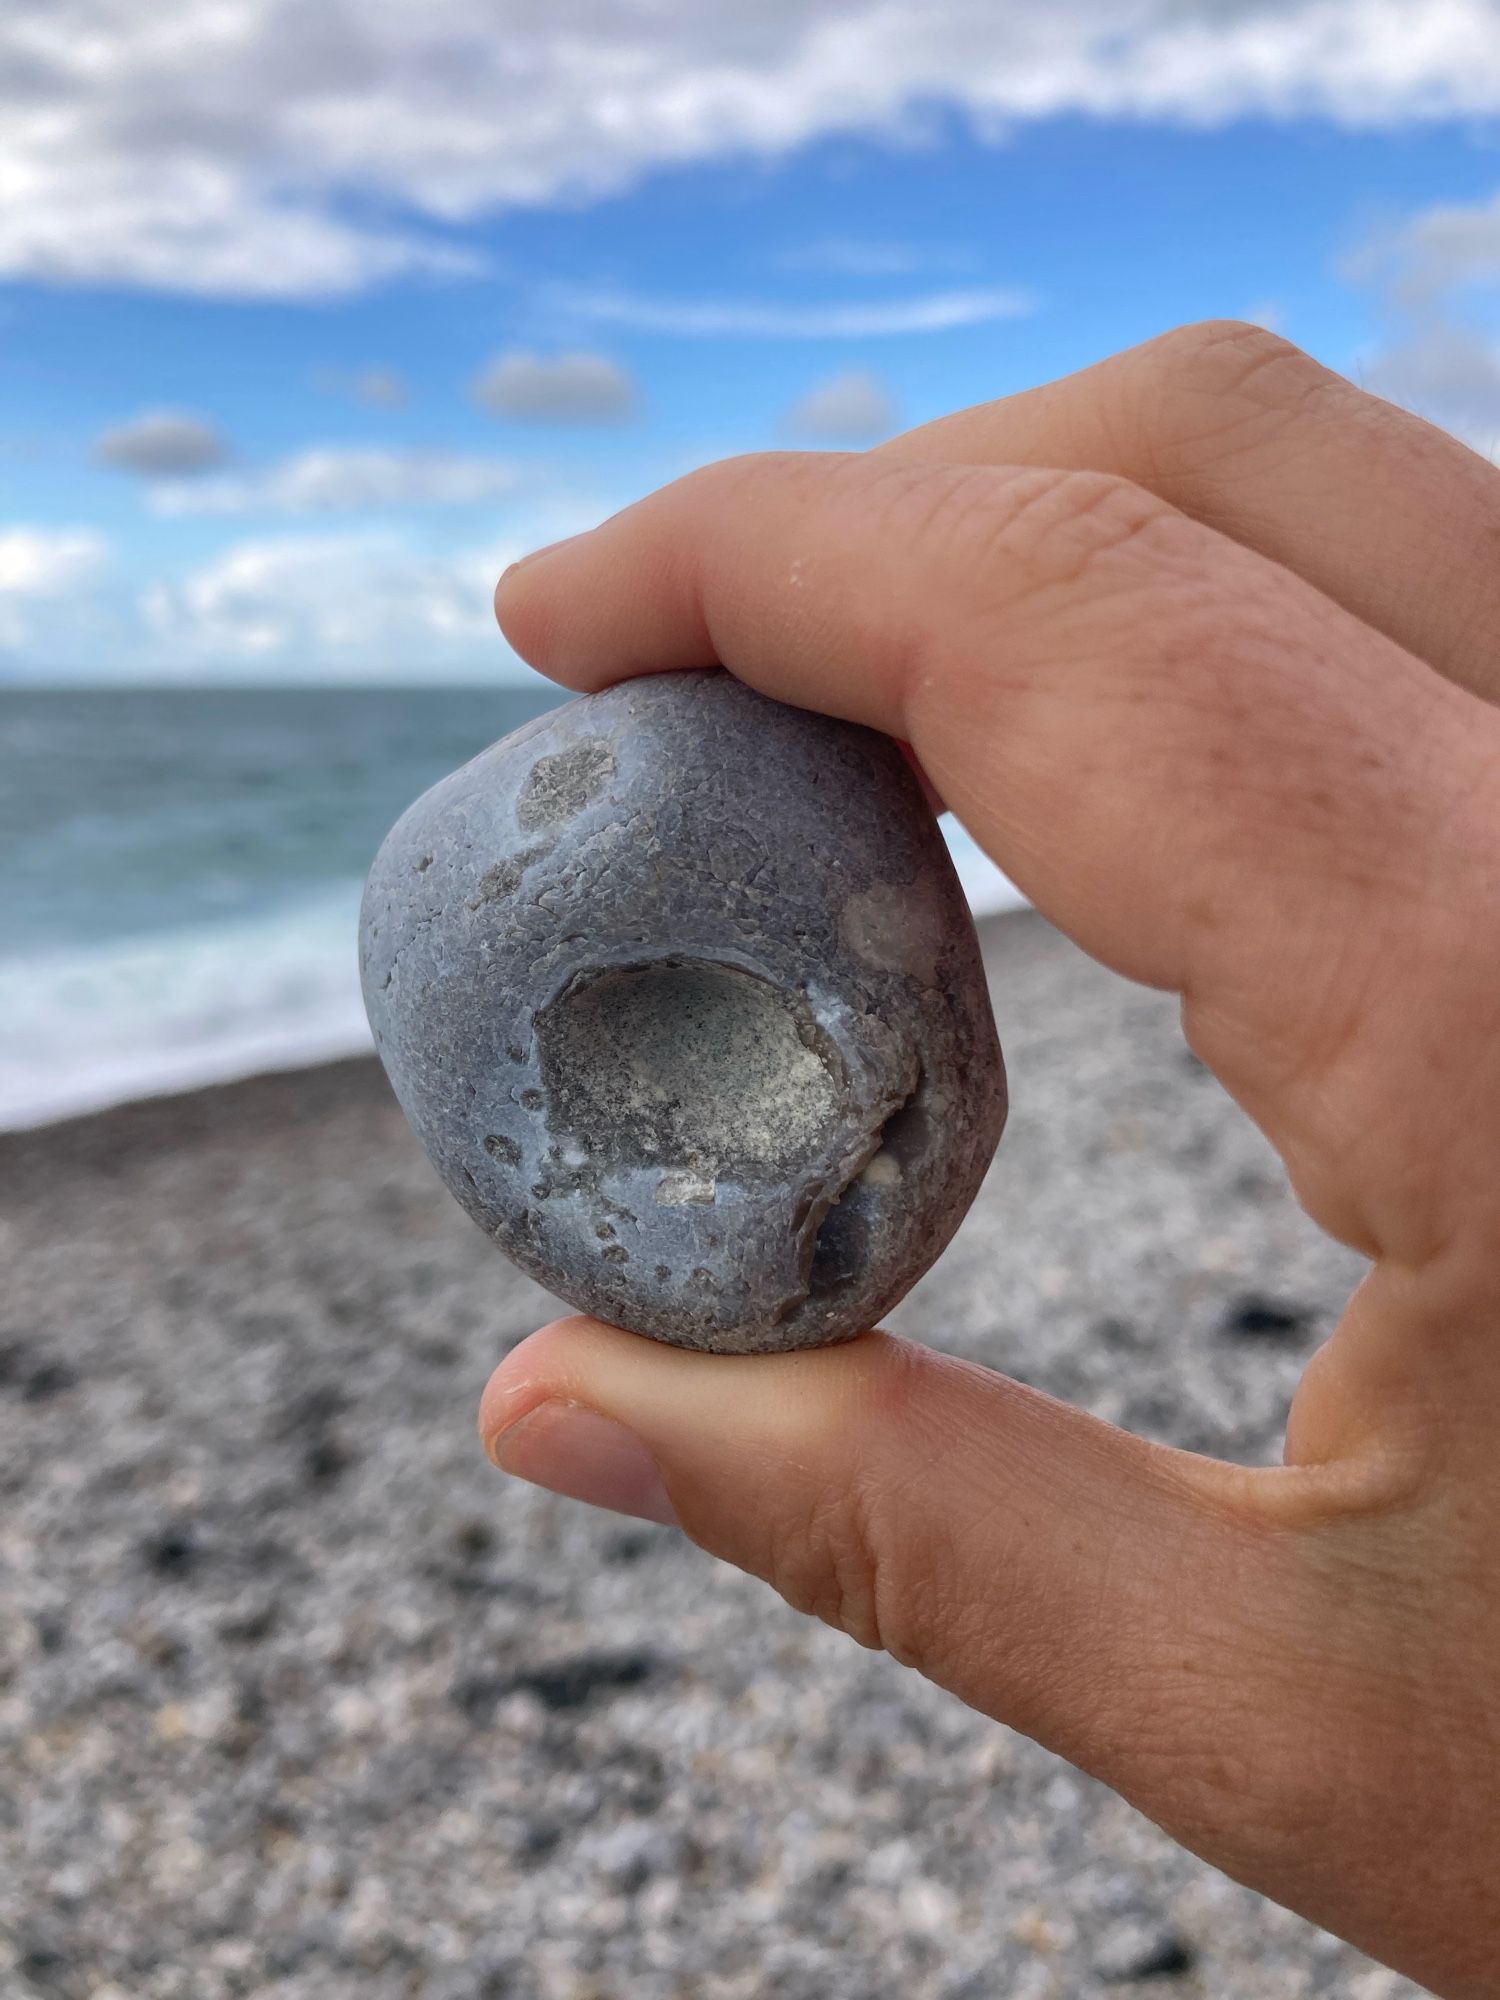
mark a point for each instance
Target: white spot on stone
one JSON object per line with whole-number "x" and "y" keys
{"x": 899, "y": 929}
{"x": 677, "y": 1190}
{"x": 883, "y": 1171}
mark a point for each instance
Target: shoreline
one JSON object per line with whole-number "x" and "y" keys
{"x": 287, "y": 1051}
{"x": 137, "y": 1017}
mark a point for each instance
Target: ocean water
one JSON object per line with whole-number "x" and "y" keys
{"x": 180, "y": 873}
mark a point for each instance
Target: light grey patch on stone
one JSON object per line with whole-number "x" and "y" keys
{"x": 896, "y": 929}
{"x": 563, "y": 784}
{"x": 505, "y": 877}
{"x": 675, "y": 1190}
{"x": 699, "y": 1065}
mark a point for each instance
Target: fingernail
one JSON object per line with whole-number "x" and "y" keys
{"x": 521, "y": 562}
{"x": 578, "y": 1453}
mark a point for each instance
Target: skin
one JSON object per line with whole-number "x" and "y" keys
{"x": 1203, "y": 645}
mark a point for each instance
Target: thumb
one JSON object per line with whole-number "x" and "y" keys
{"x": 1102, "y": 1594}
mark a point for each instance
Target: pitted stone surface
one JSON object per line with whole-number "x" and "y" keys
{"x": 679, "y": 990}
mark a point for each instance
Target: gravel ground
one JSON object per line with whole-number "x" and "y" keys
{"x": 298, "y": 1698}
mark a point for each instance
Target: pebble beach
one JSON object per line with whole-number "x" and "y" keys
{"x": 299, "y": 1698}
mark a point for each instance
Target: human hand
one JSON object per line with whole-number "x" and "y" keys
{"x": 1202, "y": 645}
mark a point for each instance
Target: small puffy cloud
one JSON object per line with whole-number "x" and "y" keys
{"x": 1444, "y": 370}
{"x": 1448, "y": 374}
{"x": 1439, "y": 251}
{"x": 579, "y": 388}
{"x": 381, "y": 388}
{"x": 850, "y": 409}
{"x": 344, "y": 481}
{"x": 164, "y": 444}
{"x": 926, "y": 312}
{"x": 47, "y": 562}
{"x": 378, "y": 388}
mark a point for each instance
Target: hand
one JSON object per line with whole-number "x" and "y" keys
{"x": 1202, "y": 645}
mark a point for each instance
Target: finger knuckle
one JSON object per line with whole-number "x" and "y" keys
{"x": 850, "y": 1558}
{"x": 826, "y": 1563}
{"x": 1231, "y": 355}
{"x": 843, "y": 1544}
{"x": 1222, "y": 385}
{"x": 1001, "y": 532}
{"x": 1073, "y": 523}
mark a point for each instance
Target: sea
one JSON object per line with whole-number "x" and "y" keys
{"x": 180, "y": 873}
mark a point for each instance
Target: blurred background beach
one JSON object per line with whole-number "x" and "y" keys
{"x": 311, "y": 318}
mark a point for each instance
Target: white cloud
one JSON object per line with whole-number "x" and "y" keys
{"x": 378, "y": 388}
{"x": 381, "y": 388}
{"x": 556, "y": 389}
{"x": 48, "y": 578}
{"x": 254, "y": 147}
{"x": 90, "y": 198}
{"x": 344, "y": 481}
{"x": 932, "y": 312}
{"x": 370, "y": 604}
{"x": 329, "y": 606}
{"x": 850, "y": 409}
{"x": 1448, "y": 374}
{"x": 164, "y": 443}
{"x": 47, "y": 562}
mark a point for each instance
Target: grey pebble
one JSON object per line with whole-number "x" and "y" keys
{"x": 679, "y": 989}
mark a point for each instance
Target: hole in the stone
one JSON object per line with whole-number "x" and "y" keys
{"x": 907, "y": 1131}
{"x": 842, "y": 1247}
{"x": 684, "y": 1063}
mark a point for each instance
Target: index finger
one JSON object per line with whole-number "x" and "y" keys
{"x": 1208, "y": 773}
{"x": 1391, "y": 517}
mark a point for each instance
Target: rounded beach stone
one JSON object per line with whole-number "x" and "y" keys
{"x": 680, "y": 991}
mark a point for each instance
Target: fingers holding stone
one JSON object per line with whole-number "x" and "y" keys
{"x": 1181, "y": 1629}
{"x": 1212, "y": 776}
{"x": 1388, "y": 515}
{"x": 1018, "y": 1552}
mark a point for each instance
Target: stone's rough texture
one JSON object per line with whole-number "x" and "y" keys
{"x": 681, "y": 994}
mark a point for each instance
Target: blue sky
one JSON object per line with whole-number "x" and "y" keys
{"x": 309, "y": 321}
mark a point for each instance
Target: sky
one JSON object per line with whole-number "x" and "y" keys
{"x": 313, "y": 314}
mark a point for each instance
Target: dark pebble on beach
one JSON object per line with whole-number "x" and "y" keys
{"x": 1138, "y": 1955}
{"x": 1254, "y": 1317}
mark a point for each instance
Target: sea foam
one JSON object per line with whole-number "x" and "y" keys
{"x": 88, "y": 1026}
